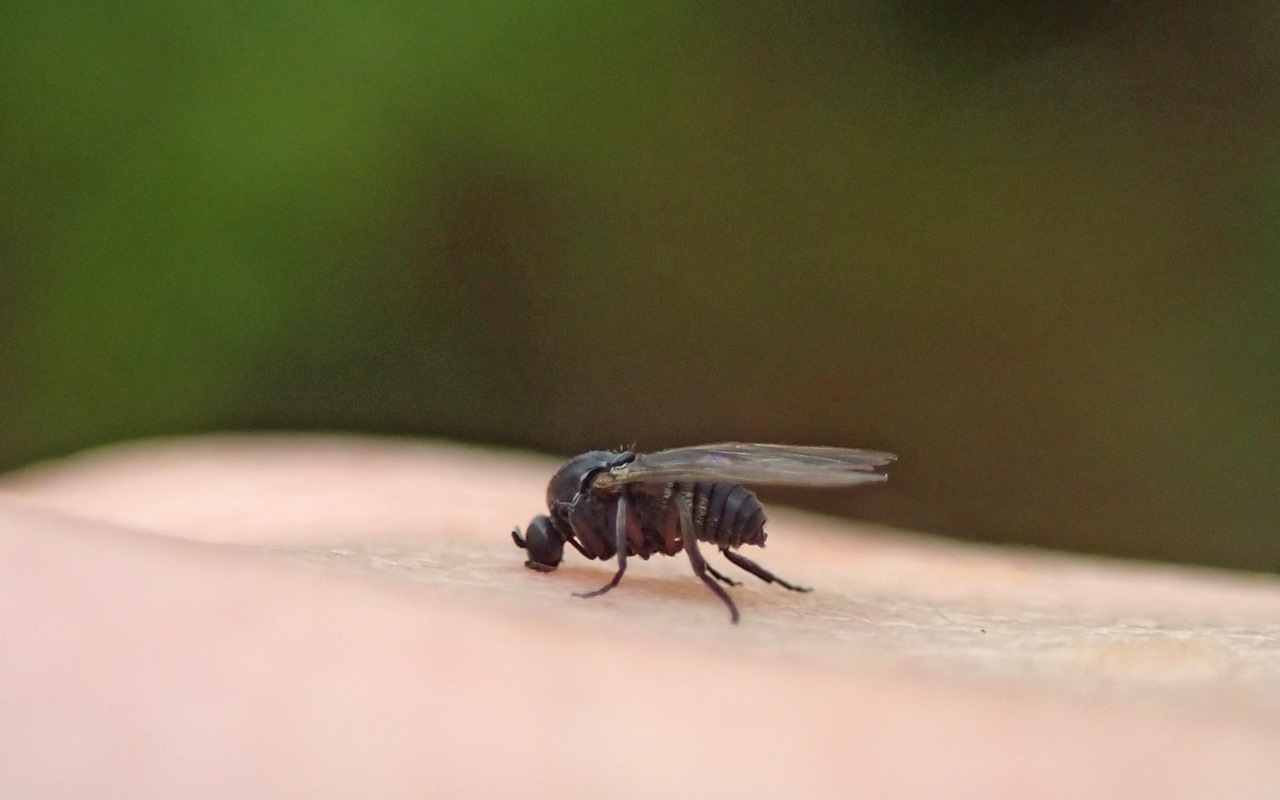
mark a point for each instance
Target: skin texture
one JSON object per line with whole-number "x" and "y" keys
{"x": 342, "y": 616}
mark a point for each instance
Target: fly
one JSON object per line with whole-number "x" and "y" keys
{"x": 617, "y": 504}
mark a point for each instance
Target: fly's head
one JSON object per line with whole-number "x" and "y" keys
{"x": 544, "y": 543}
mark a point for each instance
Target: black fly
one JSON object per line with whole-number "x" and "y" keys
{"x": 618, "y": 504}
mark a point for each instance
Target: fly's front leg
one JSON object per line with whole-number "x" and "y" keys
{"x": 620, "y": 539}
{"x": 760, "y": 572}
{"x": 573, "y": 541}
{"x": 700, "y": 567}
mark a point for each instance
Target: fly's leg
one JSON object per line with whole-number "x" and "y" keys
{"x": 620, "y": 538}
{"x": 700, "y": 567}
{"x": 720, "y": 576}
{"x": 760, "y": 572}
{"x": 571, "y": 540}
{"x": 586, "y": 539}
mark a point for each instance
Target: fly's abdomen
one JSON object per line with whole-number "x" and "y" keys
{"x": 726, "y": 514}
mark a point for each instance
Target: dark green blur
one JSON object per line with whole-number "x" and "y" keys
{"x": 1034, "y": 251}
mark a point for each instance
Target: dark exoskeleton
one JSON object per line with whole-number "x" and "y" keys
{"x": 619, "y": 504}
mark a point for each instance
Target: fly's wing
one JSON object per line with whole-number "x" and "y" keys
{"x": 735, "y": 462}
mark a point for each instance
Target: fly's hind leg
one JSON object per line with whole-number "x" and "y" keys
{"x": 760, "y": 572}
{"x": 720, "y": 576}
{"x": 620, "y": 539}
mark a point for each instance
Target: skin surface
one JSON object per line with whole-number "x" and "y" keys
{"x": 340, "y": 616}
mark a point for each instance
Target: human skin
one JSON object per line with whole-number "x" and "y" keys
{"x": 336, "y": 616}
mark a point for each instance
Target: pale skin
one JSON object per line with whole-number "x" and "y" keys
{"x": 336, "y": 616}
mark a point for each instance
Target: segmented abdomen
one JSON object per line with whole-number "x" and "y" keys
{"x": 726, "y": 514}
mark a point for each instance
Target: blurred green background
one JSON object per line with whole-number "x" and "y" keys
{"x": 1032, "y": 248}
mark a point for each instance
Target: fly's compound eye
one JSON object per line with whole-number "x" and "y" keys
{"x": 543, "y": 542}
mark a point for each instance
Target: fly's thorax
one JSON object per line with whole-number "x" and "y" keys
{"x": 574, "y": 475}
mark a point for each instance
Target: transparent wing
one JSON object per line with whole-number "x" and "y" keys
{"x": 737, "y": 462}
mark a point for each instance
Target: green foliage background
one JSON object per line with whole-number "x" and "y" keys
{"x": 1033, "y": 250}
